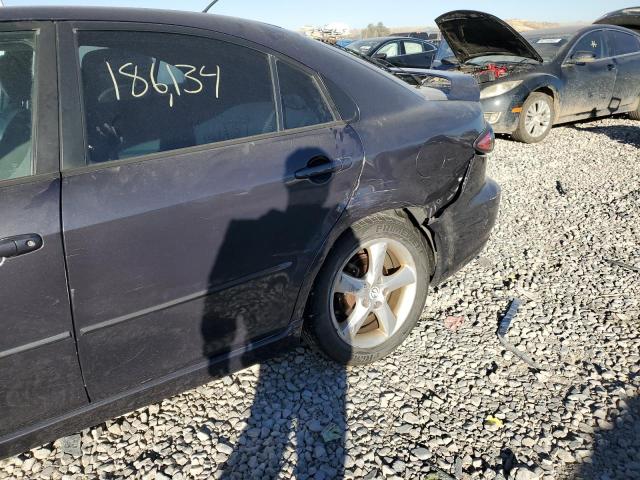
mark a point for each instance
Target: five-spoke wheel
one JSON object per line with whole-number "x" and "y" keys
{"x": 371, "y": 290}
{"x": 373, "y": 294}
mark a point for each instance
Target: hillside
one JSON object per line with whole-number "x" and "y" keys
{"x": 526, "y": 25}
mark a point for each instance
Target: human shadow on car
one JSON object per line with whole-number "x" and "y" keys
{"x": 296, "y": 424}
{"x": 616, "y": 452}
{"x": 624, "y": 134}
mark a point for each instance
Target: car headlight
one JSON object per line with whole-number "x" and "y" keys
{"x": 499, "y": 89}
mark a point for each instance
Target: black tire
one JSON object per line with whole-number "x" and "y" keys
{"x": 319, "y": 330}
{"x": 522, "y": 134}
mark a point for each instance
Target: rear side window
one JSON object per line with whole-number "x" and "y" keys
{"x": 623, "y": 43}
{"x": 17, "y": 71}
{"x": 303, "y": 104}
{"x": 413, "y": 47}
{"x": 147, "y": 92}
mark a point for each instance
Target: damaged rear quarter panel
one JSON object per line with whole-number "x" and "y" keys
{"x": 420, "y": 157}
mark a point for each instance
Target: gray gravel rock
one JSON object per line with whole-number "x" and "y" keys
{"x": 423, "y": 409}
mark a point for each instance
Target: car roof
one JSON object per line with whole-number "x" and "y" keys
{"x": 569, "y": 30}
{"x": 135, "y": 15}
{"x": 276, "y": 38}
{"x": 390, "y": 37}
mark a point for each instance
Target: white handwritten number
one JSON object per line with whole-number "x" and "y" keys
{"x": 217, "y": 75}
{"x": 163, "y": 88}
{"x": 157, "y": 86}
{"x": 135, "y": 78}
{"x": 115, "y": 83}
{"x": 191, "y": 69}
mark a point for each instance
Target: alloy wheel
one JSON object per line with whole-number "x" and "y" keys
{"x": 373, "y": 293}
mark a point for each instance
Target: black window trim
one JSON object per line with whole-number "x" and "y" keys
{"x": 317, "y": 80}
{"x": 432, "y": 47}
{"x": 412, "y": 40}
{"x": 45, "y": 155}
{"x": 67, "y": 37}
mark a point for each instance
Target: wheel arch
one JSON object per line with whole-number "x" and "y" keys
{"x": 410, "y": 214}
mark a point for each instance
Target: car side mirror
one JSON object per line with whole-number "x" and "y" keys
{"x": 380, "y": 56}
{"x": 582, "y": 58}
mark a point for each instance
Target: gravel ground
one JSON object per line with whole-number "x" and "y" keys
{"x": 447, "y": 403}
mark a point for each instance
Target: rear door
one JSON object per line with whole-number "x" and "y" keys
{"x": 39, "y": 372}
{"x": 625, "y": 48}
{"x": 198, "y": 199}
{"x": 588, "y": 86}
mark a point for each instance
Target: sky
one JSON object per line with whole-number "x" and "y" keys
{"x": 294, "y": 14}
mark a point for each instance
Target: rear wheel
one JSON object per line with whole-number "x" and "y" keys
{"x": 370, "y": 292}
{"x": 536, "y": 119}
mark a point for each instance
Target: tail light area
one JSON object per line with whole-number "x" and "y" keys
{"x": 485, "y": 142}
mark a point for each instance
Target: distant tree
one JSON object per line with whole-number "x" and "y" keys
{"x": 382, "y": 30}
{"x": 378, "y": 30}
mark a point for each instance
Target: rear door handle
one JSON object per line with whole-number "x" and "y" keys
{"x": 20, "y": 245}
{"x": 319, "y": 167}
{"x": 611, "y": 67}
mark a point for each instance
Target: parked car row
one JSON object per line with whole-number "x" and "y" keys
{"x": 531, "y": 82}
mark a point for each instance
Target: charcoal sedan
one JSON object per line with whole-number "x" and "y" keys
{"x": 533, "y": 81}
{"x": 183, "y": 195}
{"x": 407, "y": 52}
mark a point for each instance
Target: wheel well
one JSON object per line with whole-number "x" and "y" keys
{"x": 409, "y": 214}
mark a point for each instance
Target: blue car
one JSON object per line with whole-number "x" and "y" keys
{"x": 183, "y": 195}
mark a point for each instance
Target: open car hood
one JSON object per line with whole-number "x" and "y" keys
{"x": 476, "y": 34}
{"x": 628, "y": 17}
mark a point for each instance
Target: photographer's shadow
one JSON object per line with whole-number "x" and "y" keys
{"x": 616, "y": 453}
{"x": 296, "y": 427}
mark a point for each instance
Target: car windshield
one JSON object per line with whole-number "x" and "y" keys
{"x": 548, "y": 46}
{"x": 444, "y": 51}
{"x": 363, "y": 46}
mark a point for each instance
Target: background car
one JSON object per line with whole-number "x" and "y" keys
{"x": 531, "y": 82}
{"x": 197, "y": 198}
{"x": 627, "y": 17}
{"x": 399, "y": 51}
{"x": 344, "y": 42}
{"x": 431, "y": 37}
